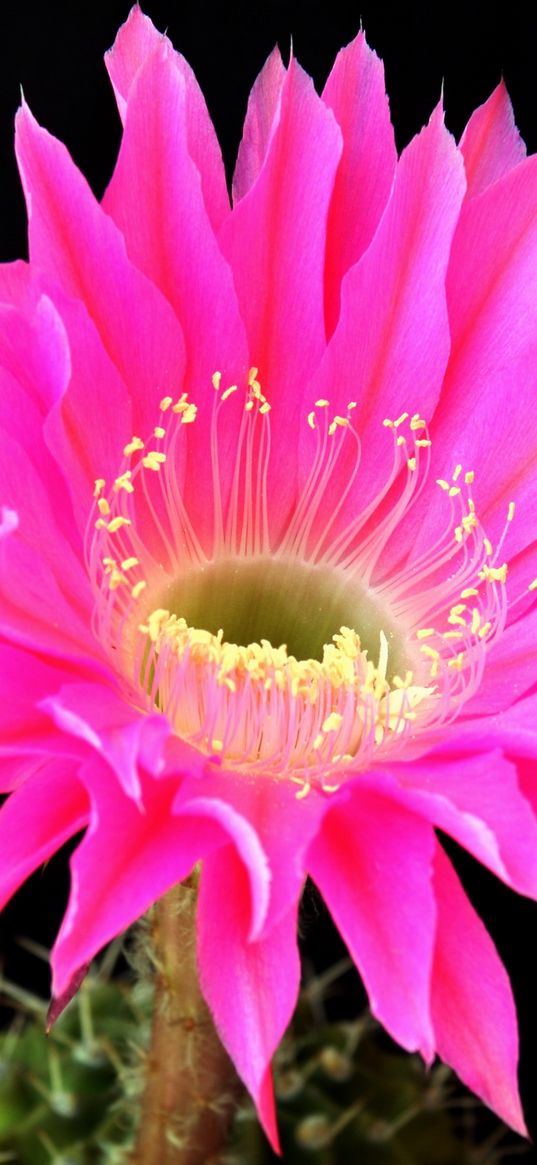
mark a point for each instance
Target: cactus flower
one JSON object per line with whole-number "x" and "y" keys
{"x": 268, "y": 501}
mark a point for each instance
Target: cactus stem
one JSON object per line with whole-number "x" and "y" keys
{"x": 190, "y": 1087}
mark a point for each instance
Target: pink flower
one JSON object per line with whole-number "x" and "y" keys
{"x": 306, "y": 420}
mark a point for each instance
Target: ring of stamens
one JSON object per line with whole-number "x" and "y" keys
{"x": 253, "y": 703}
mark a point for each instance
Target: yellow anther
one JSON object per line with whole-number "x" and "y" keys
{"x": 468, "y": 592}
{"x": 423, "y": 443}
{"x": 153, "y": 460}
{"x": 387, "y": 423}
{"x": 311, "y": 419}
{"x": 454, "y": 490}
{"x": 189, "y": 414}
{"x": 443, "y": 484}
{"x": 400, "y": 420}
{"x": 124, "y": 482}
{"x": 417, "y": 422}
{"x": 453, "y": 634}
{"x": 430, "y": 652}
{"x": 252, "y": 376}
{"x": 128, "y": 563}
{"x": 469, "y": 477}
{"x": 100, "y": 524}
{"x": 159, "y": 432}
{"x": 99, "y": 486}
{"x": 511, "y": 511}
{"x": 458, "y": 533}
{"x": 469, "y": 522}
{"x": 229, "y": 391}
{"x": 303, "y": 792}
{"x": 165, "y": 403}
{"x": 319, "y": 740}
{"x": 456, "y": 472}
{"x": 117, "y": 523}
{"x": 476, "y": 621}
{"x": 533, "y": 585}
{"x": 181, "y": 404}
{"x": 133, "y": 446}
{"x": 265, "y": 407}
{"x": 332, "y": 722}
{"x": 458, "y": 662}
{"x": 137, "y": 589}
{"x": 411, "y": 463}
{"x": 216, "y": 379}
{"x": 116, "y": 579}
{"x": 103, "y": 506}
{"x": 484, "y": 630}
{"x": 488, "y": 546}
{"x": 425, "y": 632}
{"x": 352, "y": 405}
{"x": 400, "y": 441}
{"x": 494, "y": 573}
{"x": 249, "y": 406}
{"x": 322, "y": 403}
{"x": 458, "y": 608}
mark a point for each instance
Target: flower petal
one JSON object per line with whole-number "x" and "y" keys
{"x": 75, "y": 241}
{"x": 135, "y": 41}
{"x": 472, "y": 1005}
{"x": 155, "y": 199}
{"x": 491, "y": 144}
{"x": 390, "y": 348}
{"x": 251, "y": 987}
{"x": 368, "y": 847}
{"x": 279, "y": 270}
{"x": 493, "y": 320}
{"x": 285, "y": 826}
{"x": 132, "y": 854}
{"x": 475, "y": 797}
{"x": 125, "y": 737}
{"x": 43, "y": 813}
{"x": 262, "y": 116}
{"x": 356, "y": 94}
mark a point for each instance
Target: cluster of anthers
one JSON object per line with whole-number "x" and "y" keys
{"x": 255, "y": 705}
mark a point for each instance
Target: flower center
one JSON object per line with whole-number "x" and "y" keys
{"x": 294, "y": 654}
{"x": 285, "y": 602}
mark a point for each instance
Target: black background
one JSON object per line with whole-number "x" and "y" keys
{"x": 55, "y": 53}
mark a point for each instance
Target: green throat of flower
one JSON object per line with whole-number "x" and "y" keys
{"x": 284, "y": 602}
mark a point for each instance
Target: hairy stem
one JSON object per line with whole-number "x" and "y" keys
{"x": 191, "y": 1087}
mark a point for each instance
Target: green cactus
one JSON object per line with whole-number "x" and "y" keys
{"x": 345, "y": 1094}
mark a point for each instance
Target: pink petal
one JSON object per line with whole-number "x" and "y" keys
{"x": 50, "y": 342}
{"x": 355, "y": 92}
{"x": 135, "y": 41}
{"x": 26, "y": 732}
{"x": 473, "y": 1010}
{"x": 131, "y": 855}
{"x": 494, "y": 351}
{"x": 372, "y": 864}
{"x": 476, "y": 799}
{"x": 251, "y": 987}
{"x": 75, "y": 241}
{"x": 390, "y": 349}
{"x": 46, "y": 598}
{"x": 279, "y": 270}
{"x": 284, "y": 825}
{"x": 124, "y": 736}
{"x": 491, "y": 144}
{"x": 155, "y": 199}
{"x": 510, "y": 669}
{"x": 36, "y": 820}
{"x": 262, "y": 117}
